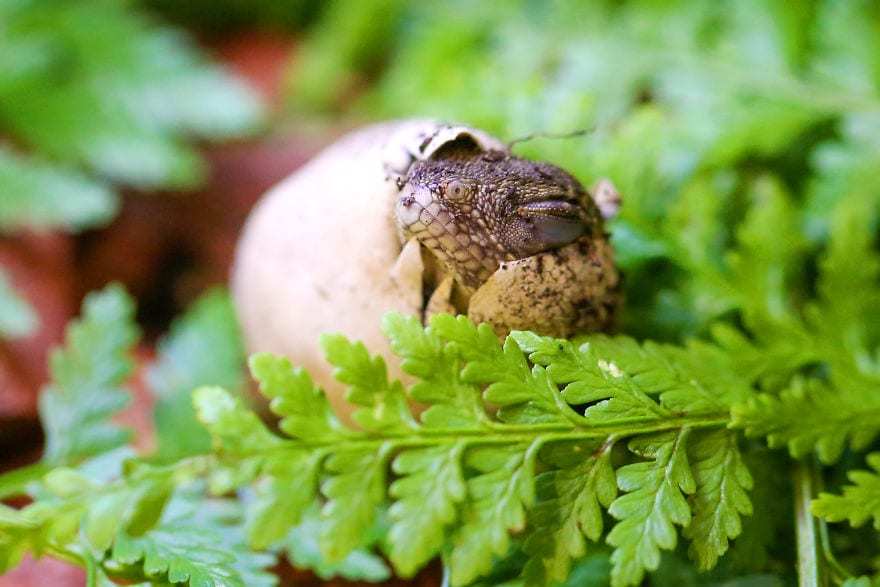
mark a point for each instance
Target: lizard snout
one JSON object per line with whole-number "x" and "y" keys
{"x": 411, "y": 204}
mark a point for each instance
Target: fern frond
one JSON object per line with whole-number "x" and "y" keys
{"x": 87, "y": 374}
{"x": 859, "y": 502}
{"x": 464, "y": 489}
{"x": 654, "y": 500}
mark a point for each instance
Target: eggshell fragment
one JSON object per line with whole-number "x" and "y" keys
{"x": 317, "y": 255}
{"x": 558, "y": 293}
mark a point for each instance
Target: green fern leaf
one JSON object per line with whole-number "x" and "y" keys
{"x": 288, "y": 489}
{"x": 19, "y": 534}
{"x": 653, "y": 502}
{"x": 304, "y": 410}
{"x": 859, "y": 502}
{"x": 38, "y": 195}
{"x": 304, "y": 552}
{"x": 771, "y": 247}
{"x": 721, "y": 495}
{"x": 568, "y": 508}
{"x": 290, "y": 482}
{"x": 617, "y": 385}
{"x": 197, "y": 547}
{"x": 845, "y": 319}
{"x": 427, "y": 493}
{"x": 236, "y": 431}
{"x": 87, "y": 374}
{"x": 452, "y": 401}
{"x": 355, "y": 489}
{"x": 525, "y": 394}
{"x": 383, "y": 402}
{"x": 498, "y": 498}
{"x": 699, "y": 378}
{"x": 810, "y": 415}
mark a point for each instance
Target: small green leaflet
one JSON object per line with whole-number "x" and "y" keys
{"x": 304, "y": 553}
{"x": 429, "y": 488}
{"x": 589, "y": 376}
{"x": 383, "y": 402}
{"x": 304, "y": 410}
{"x": 19, "y": 534}
{"x": 721, "y": 496}
{"x": 17, "y": 316}
{"x": 290, "y": 485}
{"x": 235, "y": 430}
{"x": 452, "y": 401}
{"x": 569, "y": 507}
{"x": 811, "y": 415}
{"x": 87, "y": 374}
{"x": 770, "y": 248}
{"x": 498, "y": 498}
{"x": 135, "y": 507}
{"x": 624, "y": 376}
{"x": 198, "y": 543}
{"x": 654, "y": 500}
{"x": 859, "y": 502}
{"x": 707, "y": 379}
{"x": 355, "y": 488}
{"x": 849, "y": 281}
{"x": 289, "y": 488}
{"x": 37, "y": 195}
{"x": 526, "y": 395}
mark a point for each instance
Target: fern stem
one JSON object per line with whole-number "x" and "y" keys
{"x": 837, "y": 572}
{"x": 808, "y": 566}
{"x": 499, "y": 436}
{"x": 91, "y": 570}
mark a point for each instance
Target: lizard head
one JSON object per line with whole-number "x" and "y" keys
{"x": 475, "y": 209}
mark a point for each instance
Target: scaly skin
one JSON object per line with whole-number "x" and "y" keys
{"x": 476, "y": 209}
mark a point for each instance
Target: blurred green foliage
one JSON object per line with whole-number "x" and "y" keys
{"x": 96, "y": 94}
{"x": 204, "y": 347}
{"x": 17, "y": 317}
{"x": 229, "y": 16}
{"x": 88, "y": 374}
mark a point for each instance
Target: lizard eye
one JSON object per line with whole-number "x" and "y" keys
{"x": 457, "y": 191}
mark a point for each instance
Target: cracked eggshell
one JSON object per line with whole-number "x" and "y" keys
{"x": 320, "y": 252}
{"x": 558, "y": 293}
